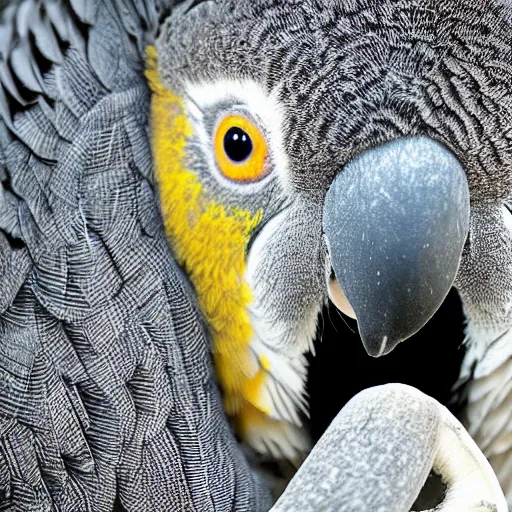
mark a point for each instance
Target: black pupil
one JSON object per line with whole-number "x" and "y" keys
{"x": 237, "y": 144}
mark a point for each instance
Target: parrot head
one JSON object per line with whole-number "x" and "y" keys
{"x": 310, "y": 150}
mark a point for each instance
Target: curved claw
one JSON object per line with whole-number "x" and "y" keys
{"x": 378, "y": 453}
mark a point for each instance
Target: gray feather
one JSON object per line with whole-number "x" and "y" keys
{"x": 86, "y": 10}
{"x": 45, "y": 38}
{"x": 22, "y": 66}
{"x": 6, "y": 30}
{"x": 57, "y": 16}
{"x": 106, "y": 385}
{"x": 104, "y": 47}
{"x": 10, "y": 86}
{"x": 24, "y": 14}
{"x": 5, "y": 111}
{"x": 36, "y": 130}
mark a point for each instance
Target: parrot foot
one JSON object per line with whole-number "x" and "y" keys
{"x": 378, "y": 453}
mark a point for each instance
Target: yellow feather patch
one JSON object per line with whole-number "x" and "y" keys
{"x": 208, "y": 240}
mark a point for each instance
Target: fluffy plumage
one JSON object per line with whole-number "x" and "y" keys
{"x": 106, "y": 386}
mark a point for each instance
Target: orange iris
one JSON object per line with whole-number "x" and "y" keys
{"x": 240, "y": 149}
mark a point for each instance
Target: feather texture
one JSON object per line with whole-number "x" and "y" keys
{"x": 485, "y": 284}
{"x": 106, "y": 384}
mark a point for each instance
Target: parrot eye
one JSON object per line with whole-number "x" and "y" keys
{"x": 240, "y": 149}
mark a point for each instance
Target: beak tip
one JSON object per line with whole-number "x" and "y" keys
{"x": 380, "y": 337}
{"x": 377, "y": 347}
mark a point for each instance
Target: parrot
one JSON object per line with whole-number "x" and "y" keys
{"x": 186, "y": 184}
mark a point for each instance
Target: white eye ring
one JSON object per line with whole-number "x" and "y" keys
{"x": 247, "y": 98}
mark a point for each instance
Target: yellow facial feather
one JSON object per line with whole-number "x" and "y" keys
{"x": 209, "y": 241}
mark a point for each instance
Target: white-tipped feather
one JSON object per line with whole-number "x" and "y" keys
{"x": 489, "y": 419}
{"x": 279, "y": 439}
{"x": 283, "y": 389}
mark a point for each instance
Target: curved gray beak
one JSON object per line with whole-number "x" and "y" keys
{"x": 396, "y": 220}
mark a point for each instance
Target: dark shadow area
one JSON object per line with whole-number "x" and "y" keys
{"x": 432, "y": 494}
{"x": 429, "y": 361}
{"x": 117, "y": 506}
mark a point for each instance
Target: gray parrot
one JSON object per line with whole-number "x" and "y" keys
{"x": 184, "y": 186}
